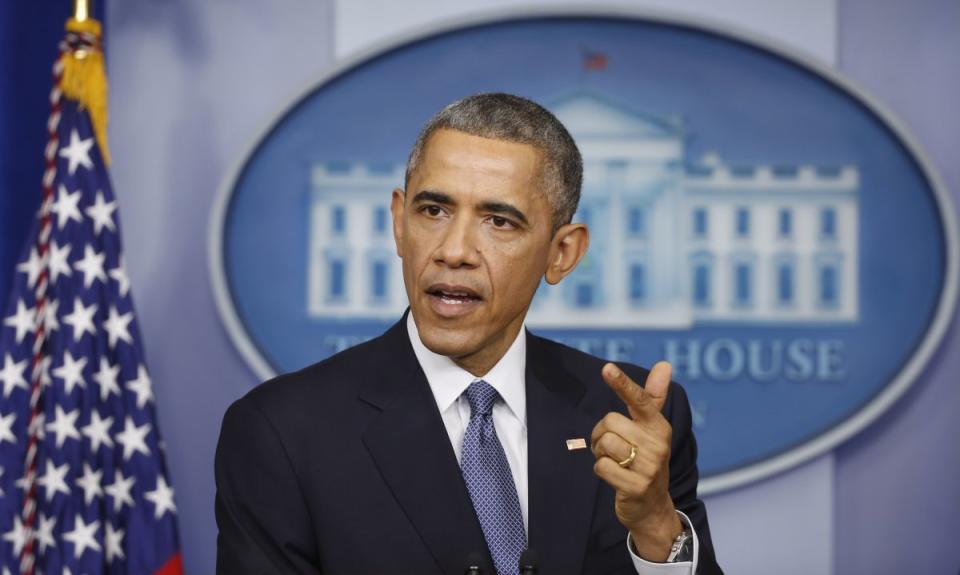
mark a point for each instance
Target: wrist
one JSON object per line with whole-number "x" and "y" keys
{"x": 654, "y": 539}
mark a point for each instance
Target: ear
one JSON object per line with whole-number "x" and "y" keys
{"x": 566, "y": 250}
{"x": 397, "y": 210}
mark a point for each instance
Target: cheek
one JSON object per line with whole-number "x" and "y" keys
{"x": 518, "y": 268}
{"x": 415, "y": 245}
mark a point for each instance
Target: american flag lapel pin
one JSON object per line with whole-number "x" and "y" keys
{"x": 576, "y": 443}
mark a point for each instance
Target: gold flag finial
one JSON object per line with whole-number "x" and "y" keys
{"x": 84, "y": 78}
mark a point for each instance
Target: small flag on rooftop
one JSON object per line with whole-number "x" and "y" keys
{"x": 594, "y": 61}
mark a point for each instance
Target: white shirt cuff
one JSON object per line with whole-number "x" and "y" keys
{"x": 644, "y": 567}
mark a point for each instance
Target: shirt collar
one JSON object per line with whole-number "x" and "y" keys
{"x": 448, "y": 380}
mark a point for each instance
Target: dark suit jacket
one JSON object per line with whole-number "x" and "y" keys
{"x": 346, "y": 467}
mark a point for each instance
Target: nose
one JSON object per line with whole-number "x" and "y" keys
{"x": 458, "y": 245}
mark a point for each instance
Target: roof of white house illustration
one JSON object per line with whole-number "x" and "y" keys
{"x": 587, "y": 115}
{"x": 606, "y": 131}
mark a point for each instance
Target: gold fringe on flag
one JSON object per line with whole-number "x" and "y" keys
{"x": 85, "y": 80}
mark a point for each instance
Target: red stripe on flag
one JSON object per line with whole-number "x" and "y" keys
{"x": 172, "y": 567}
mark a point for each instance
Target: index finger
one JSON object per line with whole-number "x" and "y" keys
{"x": 640, "y": 401}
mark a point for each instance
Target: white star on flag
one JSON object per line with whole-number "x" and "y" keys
{"x": 81, "y": 319}
{"x": 45, "y": 370}
{"x": 12, "y": 375}
{"x": 90, "y": 483}
{"x": 21, "y": 320}
{"x": 53, "y": 480}
{"x": 59, "y": 266}
{"x": 17, "y": 535}
{"x": 119, "y": 273}
{"x": 44, "y": 532}
{"x": 83, "y": 536}
{"x": 64, "y": 425}
{"x": 102, "y": 214}
{"x": 6, "y": 429}
{"x": 31, "y": 267}
{"x": 50, "y": 320}
{"x": 119, "y": 490}
{"x": 162, "y": 498}
{"x": 67, "y": 207}
{"x": 133, "y": 438}
{"x": 91, "y": 265}
{"x": 77, "y": 152}
{"x": 71, "y": 372}
{"x": 106, "y": 378}
{"x": 142, "y": 386}
{"x": 98, "y": 431}
{"x": 117, "y": 328}
{"x": 113, "y": 541}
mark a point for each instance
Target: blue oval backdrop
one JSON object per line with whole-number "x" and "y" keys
{"x": 754, "y": 220}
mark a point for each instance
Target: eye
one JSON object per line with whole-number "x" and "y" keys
{"x": 432, "y": 211}
{"x": 501, "y": 222}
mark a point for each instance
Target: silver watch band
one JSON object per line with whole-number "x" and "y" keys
{"x": 682, "y": 548}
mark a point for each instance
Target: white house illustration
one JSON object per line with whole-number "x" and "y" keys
{"x": 672, "y": 244}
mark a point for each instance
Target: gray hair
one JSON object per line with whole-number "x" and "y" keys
{"x": 515, "y": 119}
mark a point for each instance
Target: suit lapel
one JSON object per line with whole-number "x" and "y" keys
{"x": 410, "y": 446}
{"x": 563, "y": 487}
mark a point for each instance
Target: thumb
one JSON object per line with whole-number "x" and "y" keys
{"x": 658, "y": 384}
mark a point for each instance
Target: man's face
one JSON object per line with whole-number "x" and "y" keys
{"x": 474, "y": 231}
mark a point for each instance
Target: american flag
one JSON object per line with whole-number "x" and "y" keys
{"x": 83, "y": 483}
{"x": 594, "y": 60}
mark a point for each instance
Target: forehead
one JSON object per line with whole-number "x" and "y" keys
{"x": 463, "y": 162}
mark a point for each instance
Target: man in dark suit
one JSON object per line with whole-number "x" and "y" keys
{"x": 457, "y": 439}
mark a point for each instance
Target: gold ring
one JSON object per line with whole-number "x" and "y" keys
{"x": 633, "y": 455}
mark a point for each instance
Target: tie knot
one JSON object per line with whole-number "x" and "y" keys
{"x": 481, "y": 396}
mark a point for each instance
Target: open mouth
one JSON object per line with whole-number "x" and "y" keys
{"x": 452, "y": 300}
{"x": 454, "y": 295}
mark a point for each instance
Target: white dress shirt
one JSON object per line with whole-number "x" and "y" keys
{"x": 448, "y": 381}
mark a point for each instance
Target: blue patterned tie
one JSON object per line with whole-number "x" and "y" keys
{"x": 490, "y": 483}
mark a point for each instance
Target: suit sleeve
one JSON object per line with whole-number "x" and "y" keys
{"x": 684, "y": 477}
{"x": 262, "y": 517}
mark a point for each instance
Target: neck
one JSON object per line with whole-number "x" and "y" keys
{"x": 479, "y": 363}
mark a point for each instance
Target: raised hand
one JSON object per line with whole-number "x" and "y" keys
{"x": 633, "y": 456}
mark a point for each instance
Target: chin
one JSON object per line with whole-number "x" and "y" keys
{"x": 445, "y": 341}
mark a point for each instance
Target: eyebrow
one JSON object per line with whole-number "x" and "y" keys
{"x": 494, "y": 207}
{"x": 504, "y": 208}
{"x": 436, "y": 197}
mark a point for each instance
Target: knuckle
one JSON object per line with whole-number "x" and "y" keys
{"x": 609, "y": 419}
{"x": 661, "y": 451}
{"x": 637, "y": 489}
{"x": 664, "y": 427}
{"x": 608, "y": 442}
{"x": 597, "y": 429}
{"x": 602, "y": 467}
{"x": 597, "y": 432}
